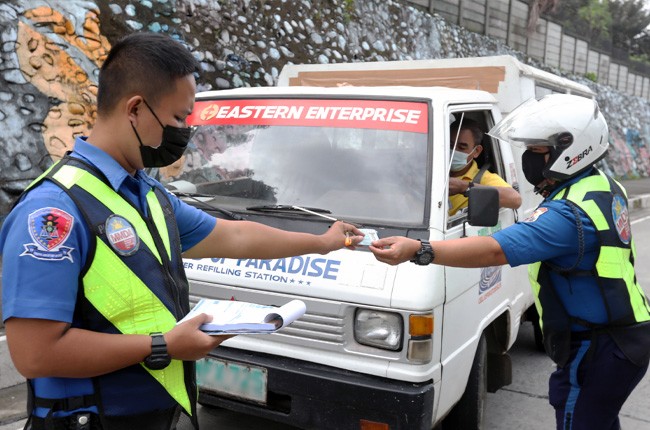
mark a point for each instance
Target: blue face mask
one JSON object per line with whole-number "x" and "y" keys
{"x": 459, "y": 160}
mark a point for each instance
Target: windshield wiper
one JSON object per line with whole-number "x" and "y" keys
{"x": 290, "y": 208}
{"x": 294, "y": 209}
{"x": 195, "y": 197}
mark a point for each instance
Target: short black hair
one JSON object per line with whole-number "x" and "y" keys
{"x": 471, "y": 125}
{"x": 142, "y": 63}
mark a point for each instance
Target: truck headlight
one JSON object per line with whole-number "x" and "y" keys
{"x": 378, "y": 329}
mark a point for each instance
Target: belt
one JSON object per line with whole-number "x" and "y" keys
{"x": 155, "y": 420}
{"x": 81, "y": 421}
{"x": 582, "y": 335}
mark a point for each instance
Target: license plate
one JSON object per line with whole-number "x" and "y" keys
{"x": 232, "y": 379}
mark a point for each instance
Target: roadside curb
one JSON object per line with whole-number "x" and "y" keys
{"x": 10, "y": 375}
{"x": 639, "y": 202}
{"x": 13, "y": 406}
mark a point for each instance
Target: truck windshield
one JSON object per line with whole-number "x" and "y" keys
{"x": 369, "y": 175}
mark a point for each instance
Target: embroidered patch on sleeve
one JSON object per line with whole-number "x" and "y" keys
{"x": 49, "y": 229}
{"x": 538, "y": 212}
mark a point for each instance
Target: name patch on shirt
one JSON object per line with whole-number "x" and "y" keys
{"x": 621, "y": 218}
{"x": 121, "y": 235}
{"x": 49, "y": 229}
{"x": 538, "y": 212}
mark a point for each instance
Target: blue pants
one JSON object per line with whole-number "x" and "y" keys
{"x": 590, "y": 390}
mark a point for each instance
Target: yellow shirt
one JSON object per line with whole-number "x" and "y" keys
{"x": 459, "y": 201}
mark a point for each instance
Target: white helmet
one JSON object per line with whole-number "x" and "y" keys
{"x": 572, "y": 126}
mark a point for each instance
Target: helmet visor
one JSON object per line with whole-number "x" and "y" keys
{"x": 527, "y": 125}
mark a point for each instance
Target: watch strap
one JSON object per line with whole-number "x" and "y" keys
{"x": 425, "y": 255}
{"x": 158, "y": 344}
{"x": 159, "y": 357}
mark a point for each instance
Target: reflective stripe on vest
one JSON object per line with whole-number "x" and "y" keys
{"x": 533, "y": 273}
{"x": 115, "y": 291}
{"x": 615, "y": 262}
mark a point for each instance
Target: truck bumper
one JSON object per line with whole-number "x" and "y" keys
{"x": 314, "y": 396}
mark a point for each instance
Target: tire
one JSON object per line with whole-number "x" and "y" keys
{"x": 470, "y": 409}
{"x": 533, "y": 316}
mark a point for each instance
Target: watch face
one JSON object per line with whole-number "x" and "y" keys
{"x": 157, "y": 363}
{"x": 425, "y": 258}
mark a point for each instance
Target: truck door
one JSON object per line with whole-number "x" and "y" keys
{"x": 472, "y": 295}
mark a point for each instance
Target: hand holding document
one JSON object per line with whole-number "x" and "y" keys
{"x": 370, "y": 234}
{"x": 233, "y": 317}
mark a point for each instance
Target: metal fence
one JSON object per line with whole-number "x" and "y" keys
{"x": 550, "y": 43}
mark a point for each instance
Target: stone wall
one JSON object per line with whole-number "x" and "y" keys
{"x": 51, "y": 50}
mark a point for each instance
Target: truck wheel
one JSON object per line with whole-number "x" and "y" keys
{"x": 533, "y": 316}
{"x": 539, "y": 337}
{"x": 468, "y": 412}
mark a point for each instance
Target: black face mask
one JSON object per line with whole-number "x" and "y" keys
{"x": 533, "y": 163}
{"x": 174, "y": 142}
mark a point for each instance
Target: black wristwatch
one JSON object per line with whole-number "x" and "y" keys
{"x": 469, "y": 187}
{"x": 159, "y": 358}
{"x": 425, "y": 254}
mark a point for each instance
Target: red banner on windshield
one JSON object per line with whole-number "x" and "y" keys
{"x": 372, "y": 114}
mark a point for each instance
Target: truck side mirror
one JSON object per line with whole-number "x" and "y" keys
{"x": 483, "y": 206}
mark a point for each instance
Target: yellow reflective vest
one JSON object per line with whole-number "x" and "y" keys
{"x": 605, "y": 203}
{"x": 133, "y": 281}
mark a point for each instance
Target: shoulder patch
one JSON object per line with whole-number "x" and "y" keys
{"x": 535, "y": 215}
{"x": 621, "y": 218}
{"x": 49, "y": 228}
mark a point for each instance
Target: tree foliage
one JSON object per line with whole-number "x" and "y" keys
{"x": 629, "y": 20}
{"x": 641, "y": 46}
{"x": 623, "y": 24}
{"x": 598, "y": 18}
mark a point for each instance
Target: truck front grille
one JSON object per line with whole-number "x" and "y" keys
{"x": 317, "y": 327}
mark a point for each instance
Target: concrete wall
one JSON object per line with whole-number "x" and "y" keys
{"x": 50, "y": 51}
{"x": 506, "y": 20}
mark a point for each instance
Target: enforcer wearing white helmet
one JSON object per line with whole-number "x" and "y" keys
{"x": 572, "y": 126}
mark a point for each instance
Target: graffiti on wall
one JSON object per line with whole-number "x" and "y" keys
{"x": 58, "y": 75}
{"x": 48, "y": 85}
{"x": 638, "y": 152}
{"x": 52, "y": 50}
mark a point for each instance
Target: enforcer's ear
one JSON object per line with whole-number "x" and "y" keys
{"x": 132, "y": 107}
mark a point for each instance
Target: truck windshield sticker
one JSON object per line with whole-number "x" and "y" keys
{"x": 370, "y": 114}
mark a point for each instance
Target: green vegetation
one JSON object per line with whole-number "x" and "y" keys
{"x": 348, "y": 9}
{"x": 591, "y": 76}
{"x": 621, "y": 25}
{"x": 596, "y": 14}
{"x": 642, "y": 58}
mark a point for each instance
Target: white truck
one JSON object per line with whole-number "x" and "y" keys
{"x": 380, "y": 347}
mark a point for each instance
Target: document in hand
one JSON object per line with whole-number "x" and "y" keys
{"x": 232, "y": 317}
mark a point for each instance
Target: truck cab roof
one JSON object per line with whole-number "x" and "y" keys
{"x": 448, "y": 95}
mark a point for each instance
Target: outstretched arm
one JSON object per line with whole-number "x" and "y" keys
{"x": 246, "y": 239}
{"x": 508, "y": 196}
{"x": 477, "y": 251}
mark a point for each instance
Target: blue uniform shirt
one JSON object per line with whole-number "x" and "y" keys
{"x": 551, "y": 234}
{"x": 40, "y": 277}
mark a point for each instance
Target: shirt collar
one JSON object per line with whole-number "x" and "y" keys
{"x": 570, "y": 182}
{"x": 106, "y": 164}
{"x": 472, "y": 172}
